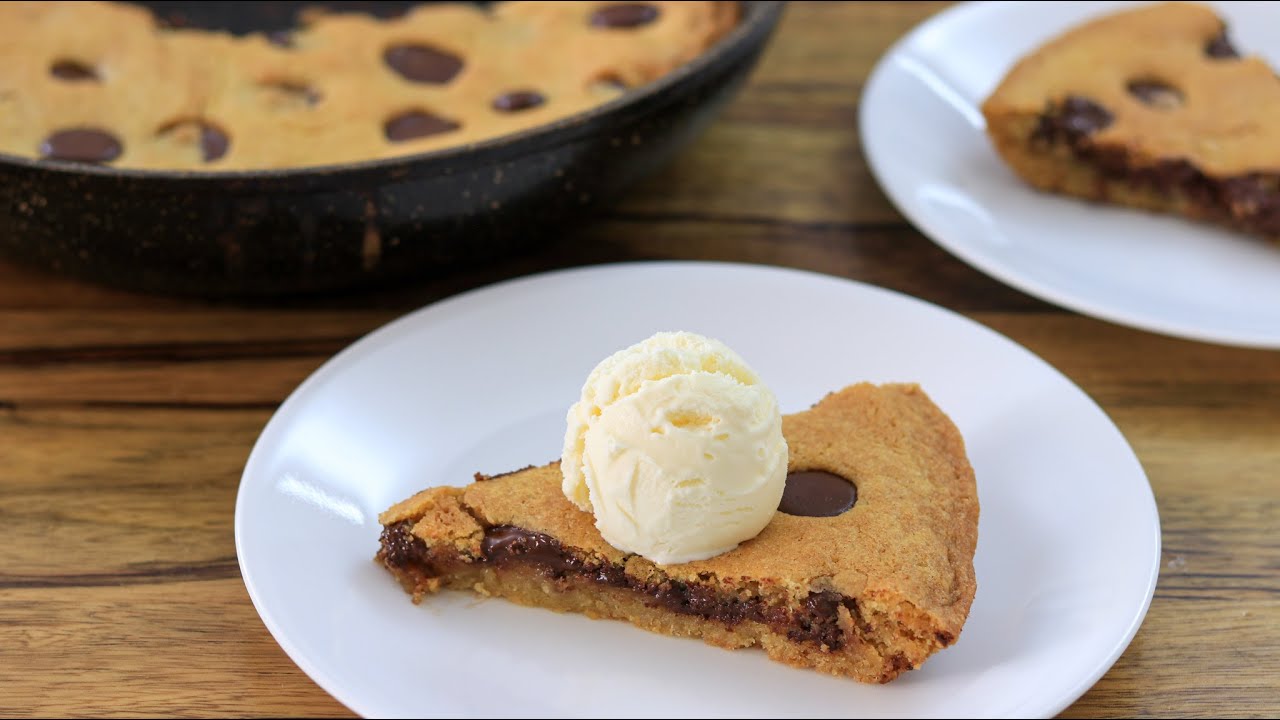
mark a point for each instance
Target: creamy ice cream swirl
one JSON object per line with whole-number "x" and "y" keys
{"x": 676, "y": 447}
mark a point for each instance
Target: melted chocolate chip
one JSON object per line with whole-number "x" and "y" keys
{"x": 213, "y": 142}
{"x": 518, "y": 100}
{"x": 400, "y": 547}
{"x": 1248, "y": 202}
{"x": 814, "y": 493}
{"x": 815, "y": 620}
{"x": 1081, "y": 116}
{"x": 1256, "y": 196}
{"x": 505, "y": 543}
{"x": 624, "y": 15}
{"x": 416, "y": 124}
{"x": 1156, "y": 93}
{"x": 73, "y": 71}
{"x": 1221, "y": 48}
{"x": 87, "y": 145}
{"x": 1073, "y": 120}
{"x": 819, "y": 620}
{"x": 422, "y": 63}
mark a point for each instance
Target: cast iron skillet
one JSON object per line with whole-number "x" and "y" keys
{"x": 256, "y": 233}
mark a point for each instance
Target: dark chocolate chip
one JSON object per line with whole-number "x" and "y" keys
{"x": 1156, "y": 93}
{"x": 281, "y": 38}
{"x": 1252, "y": 194}
{"x": 1081, "y": 116}
{"x": 1220, "y": 47}
{"x": 518, "y": 100}
{"x": 1070, "y": 121}
{"x": 400, "y": 547}
{"x": 213, "y": 142}
{"x": 1249, "y": 202}
{"x": 73, "y": 71}
{"x": 504, "y": 543}
{"x": 416, "y": 124}
{"x": 815, "y": 493}
{"x": 818, "y": 619}
{"x": 624, "y": 15}
{"x": 422, "y": 63}
{"x": 1259, "y": 209}
{"x": 87, "y": 145}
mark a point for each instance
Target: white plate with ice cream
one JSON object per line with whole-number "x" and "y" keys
{"x": 1068, "y": 543}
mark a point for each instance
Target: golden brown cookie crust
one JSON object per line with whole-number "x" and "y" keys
{"x": 1223, "y": 125}
{"x": 904, "y": 551}
{"x": 327, "y": 97}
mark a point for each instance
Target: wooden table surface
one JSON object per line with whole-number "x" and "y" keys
{"x": 125, "y": 421}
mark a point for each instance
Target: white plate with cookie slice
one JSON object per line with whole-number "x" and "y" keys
{"x": 924, "y": 136}
{"x": 1068, "y": 538}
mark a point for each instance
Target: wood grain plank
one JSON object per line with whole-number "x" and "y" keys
{"x": 1172, "y": 670}
{"x": 98, "y": 497}
{"x": 828, "y": 43}
{"x": 235, "y": 383}
{"x": 25, "y": 331}
{"x": 792, "y": 173}
{"x": 25, "y": 288}
{"x": 889, "y": 255}
{"x": 1103, "y": 356}
{"x": 184, "y": 649}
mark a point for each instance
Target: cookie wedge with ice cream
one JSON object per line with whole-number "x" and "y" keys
{"x": 845, "y": 546}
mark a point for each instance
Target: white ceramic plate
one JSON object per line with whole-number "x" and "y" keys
{"x": 1068, "y": 547}
{"x": 924, "y": 138}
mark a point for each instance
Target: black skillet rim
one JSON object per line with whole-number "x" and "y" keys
{"x": 759, "y": 17}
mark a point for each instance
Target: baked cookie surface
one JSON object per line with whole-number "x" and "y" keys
{"x": 103, "y": 83}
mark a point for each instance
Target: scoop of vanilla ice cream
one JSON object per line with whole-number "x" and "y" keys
{"x": 676, "y": 447}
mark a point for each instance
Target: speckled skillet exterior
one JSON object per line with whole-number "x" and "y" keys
{"x": 260, "y": 233}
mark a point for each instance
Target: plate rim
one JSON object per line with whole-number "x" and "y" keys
{"x": 1002, "y": 272}
{"x": 369, "y": 341}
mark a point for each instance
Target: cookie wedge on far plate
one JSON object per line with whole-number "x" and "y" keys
{"x": 1150, "y": 108}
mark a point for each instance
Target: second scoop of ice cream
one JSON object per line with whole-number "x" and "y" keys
{"x": 676, "y": 447}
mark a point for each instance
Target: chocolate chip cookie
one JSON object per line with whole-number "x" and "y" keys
{"x": 865, "y": 571}
{"x": 99, "y": 82}
{"x": 1150, "y": 108}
